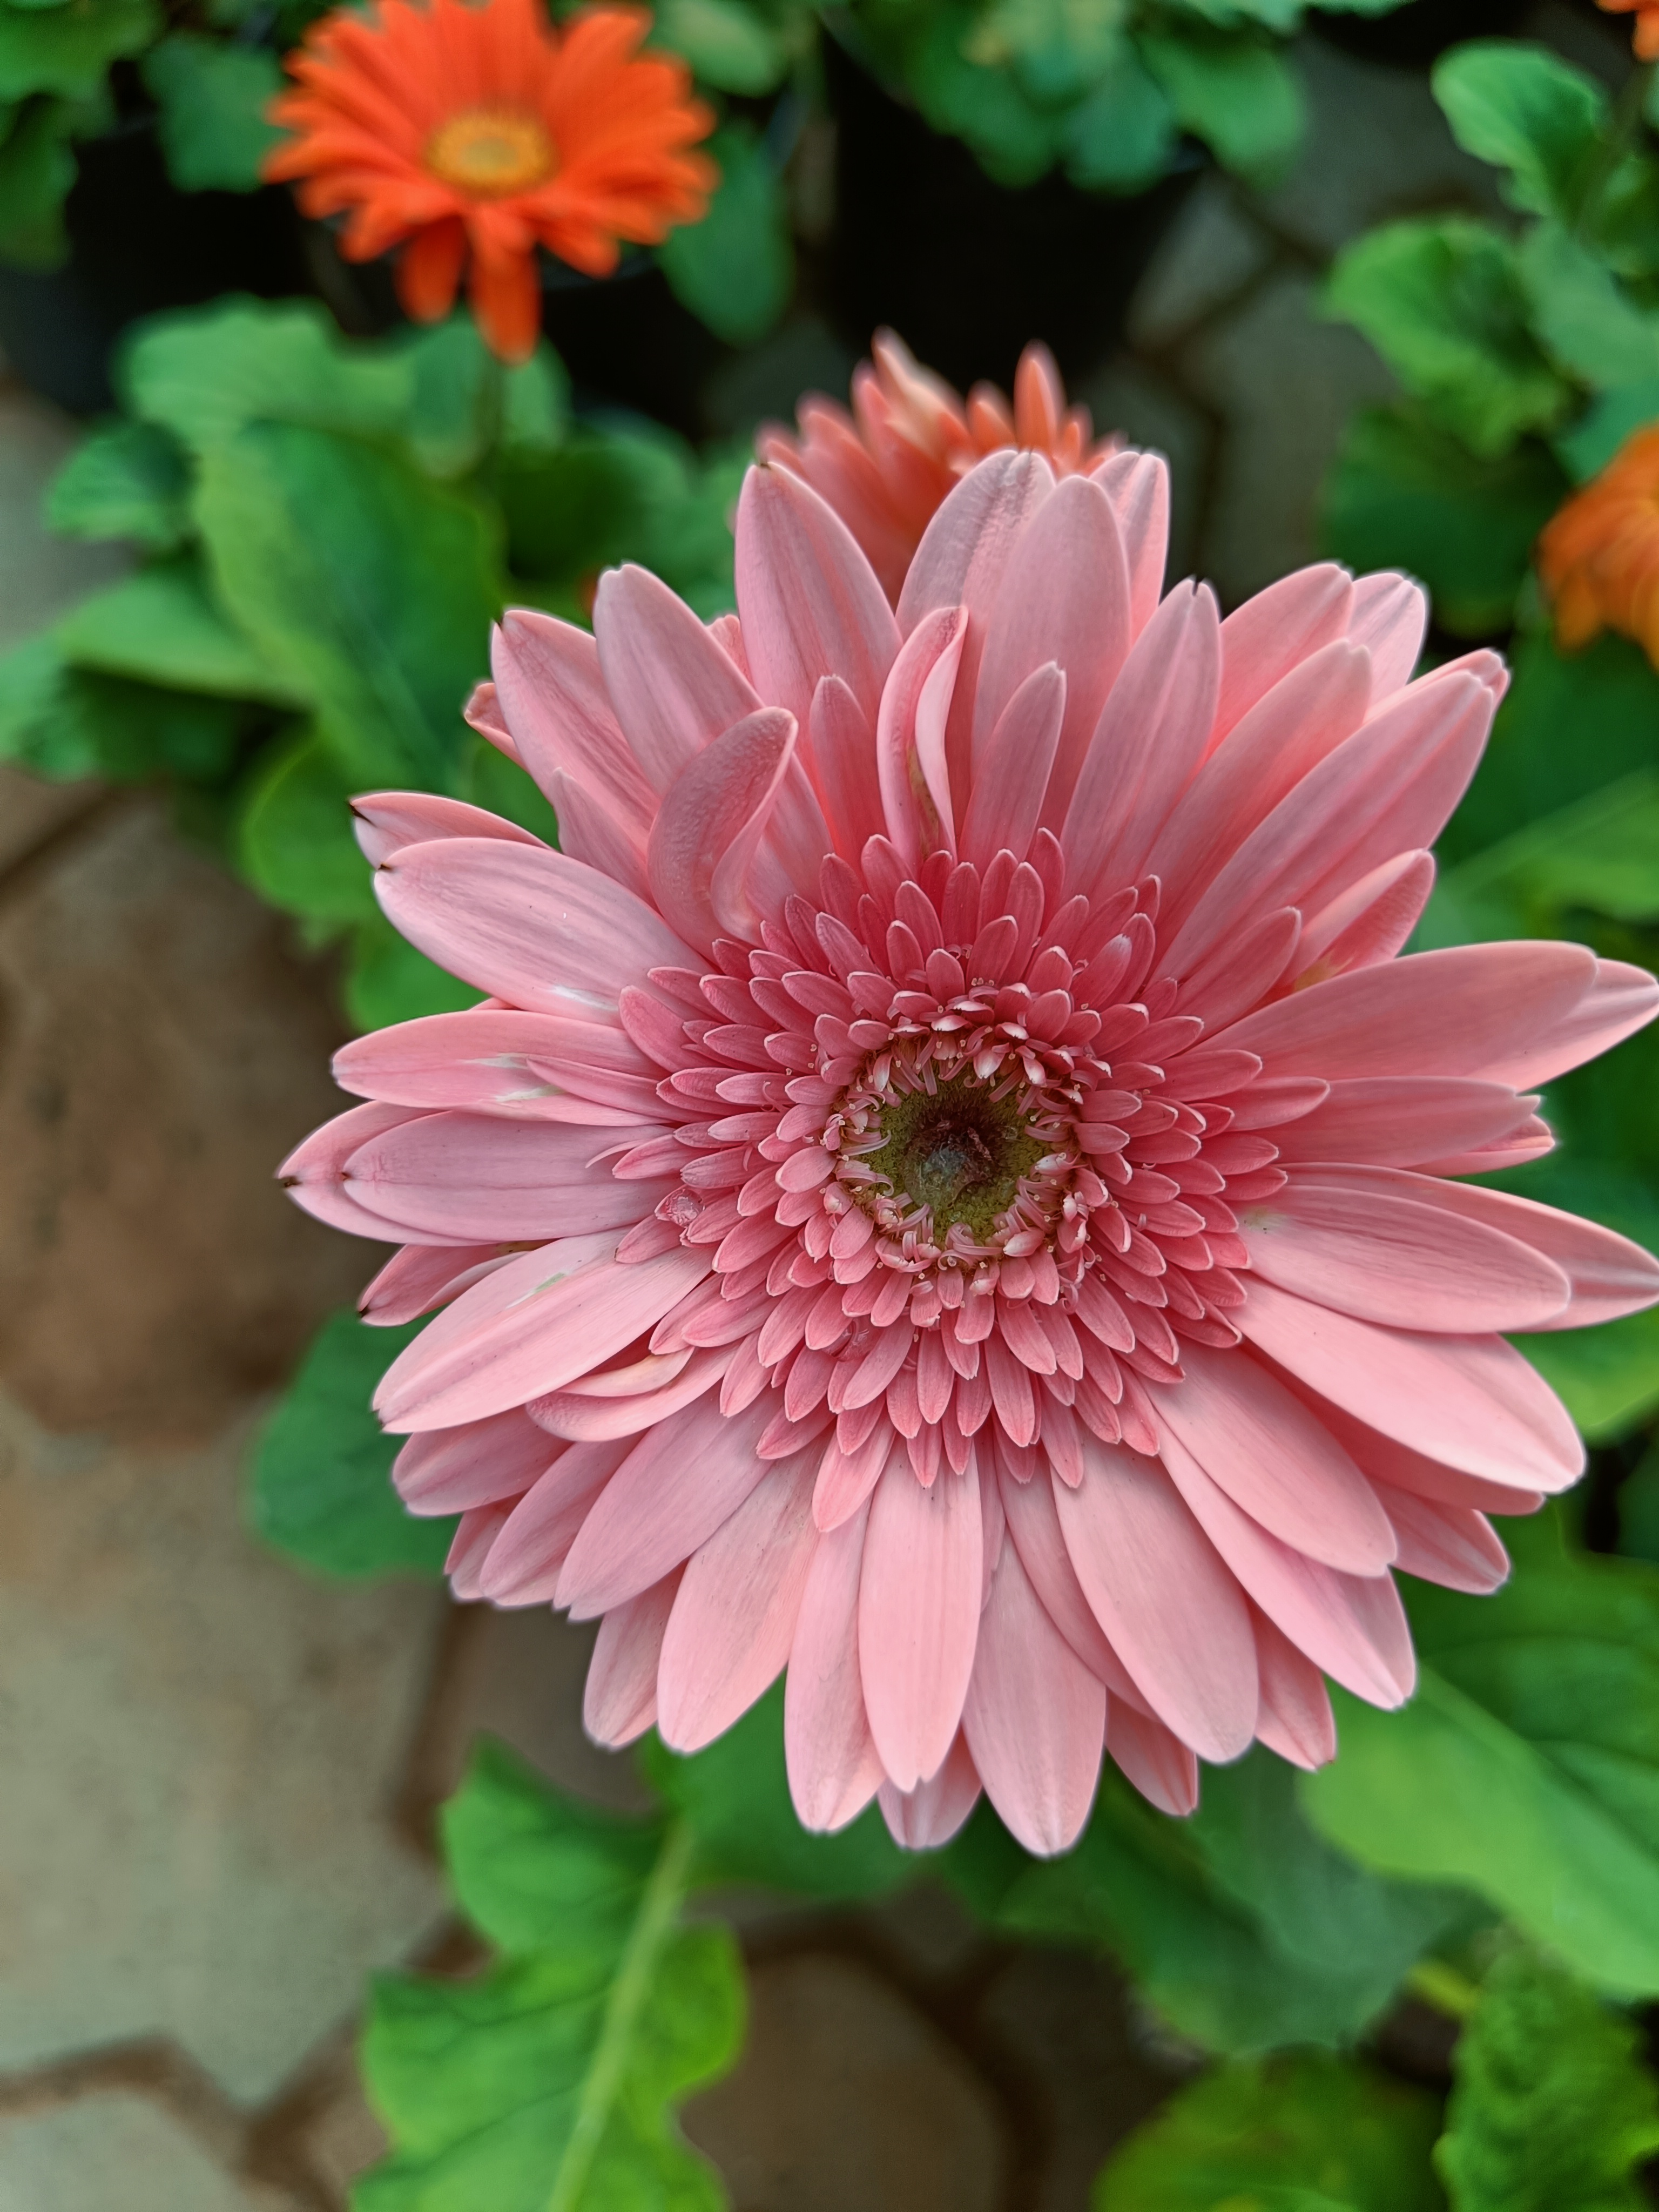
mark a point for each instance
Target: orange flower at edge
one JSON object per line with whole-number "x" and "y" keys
{"x": 886, "y": 467}
{"x": 470, "y": 135}
{"x": 1599, "y": 555}
{"x": 1644, "y": 37}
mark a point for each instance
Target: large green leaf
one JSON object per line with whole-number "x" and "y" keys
{"x": 66, "y": 723}
{"x": 1442, "y": 301}
{"x": 1058, "y": 50}
{"x": 1552, "y": 2107}
{"x": 1296, "y": 2133}
{"x": 67, "y": 50}
{"x": 1527, "y": 1767}
{"x": 293, "y": 840}
{"x": 548, "y": 2083}
{"x": 1525, "y": 110}
{"x": 213, "y": 98}
{"x": 388, "y": 981}
{"x": 731, "y": 45}
{"x": 322, "y": 1472}
{"x": 368, "y": 585}
{"x": 1405, "y": 494}
{"x": 1241, "y": 1924}
{"x": 161, "y": 625}
{"x": 1121, "y": 137}
{"x": 1015, "y": 140}
{"x": 1587, "y": 323}
{"x": 736, "y": 269}
{"x": 1235, "y": 91}
{"x": 37, "y": 168}
{"x": 123, "y": 480}
{"x": 1611, "y": 417}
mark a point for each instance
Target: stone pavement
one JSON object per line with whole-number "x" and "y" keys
{"x": 220, "y": 1773}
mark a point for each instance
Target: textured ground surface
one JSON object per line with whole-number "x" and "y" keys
{"x": 219, "y": 1775}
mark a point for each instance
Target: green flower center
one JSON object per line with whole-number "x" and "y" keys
{"x": 957, "y": 1151}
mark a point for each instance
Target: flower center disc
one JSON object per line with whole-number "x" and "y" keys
{"x": 958, "y": 1151}
{"x": 492, "y": 151}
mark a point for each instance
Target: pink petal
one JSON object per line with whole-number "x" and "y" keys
{"x": 734, "y": 1618}
{"x": 1609, "y": 1275}
{"x": 1064, "y": 597}
{"x": 1273, "y": 633}
{"x": 834, "y": 1769}
{"x": 917, "y": 811}
{"x": 585, "y": 1416}
{"x": 1011, "y": 774}
{"x": 452, "y": 1470}
{"x": 1340, "y": 1237}
{"x": 1389, "y": 617}
{"x": 484, "y": 1178}
{"x": 1395, "y": 1120}
{"x": 1296, "y": 1719}
{"x": 424, "y": 1276}
{"x": 923, "y": 1819}
{"x": 530, "y": 926}
{"x": 1451, "y": 1545}
{"x": 591, "y": 831}
{"x": 313, "y": 1172}
{"x": 524, "y": 1559}
{"x": 1035, "y": 1718}
{"x": 672, "y": 687}
{"x": 1383, "y": 1460}
{"x": 1162, "y": 1768}
{"x": 620, "y": 1702}
{"x": 551, "y": 695}
{"x": 1034, "y": 1523}
{"x": 483, "y": 712}
{"x": 919, "y": 1600}
{"x": 485, "y": 1057}
{"x": 384, "y": 822}
{"x": 1138, "y": 485}
{"x": 680, "y": 1482}
{"x": 1274, "y": 1459}
{"x": 1472, "y": 1401}
{"x": 1174, "y": 1614}
{"x": 841, "y": 762}
{"x": 1370, "y": 920}
{"x": 1351, "y": 1625}
{"x": 710, "y": 827}
{"x": 539, "y": 1321}
{"x": 1621, "y": 1000}
{"x": 810, "y": 603}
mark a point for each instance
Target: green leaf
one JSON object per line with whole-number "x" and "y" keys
{"x": 1289, "y": 2133}
{"x": 1524, "y": 109}
{"x": 1241, "y": 1924}
{"x": 548, "y": 2083}
{"x": 1551, "y": 2107}
{"x": 1586, "y": 323}
{"x": 67, "y": 50}
{"x": 491, "y": 780}
{"x": 728, "y": 44}
{"x": 1528, "y": 1763}
{"x": 1441, "y": 302}
{"x": 461, "y": 399}
{"x": 735, "y": 269}
{"x": 293, "y": 840}
{"x": 37, "y": 168}
{"x": 162, "y": 626}
{"x": 322, "y": 1471}
{"x": 66, "y": 723}
{"x": 370, "y": 587}
{"x": 1404, "y": 494}
{"x": 1120, "y": 137}
{"x": 1235, "y": 92}
{"x": 388, "y": 981}
{"x": 1638, "y": 1510}
{"x": 1014, "y": 139}
{"x": 1057, "y": 49}
{"x": 123, "y": 480}
{"x": 213, "y": 98}
{"x": 1600, "y": 853}
{"x": 1611, "y": 417}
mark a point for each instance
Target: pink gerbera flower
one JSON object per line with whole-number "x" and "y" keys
{"x": 949, "y": 1191}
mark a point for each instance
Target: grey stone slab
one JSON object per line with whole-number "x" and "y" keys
{"x": 41, "y": 574}
{"x": 848, "y": 2100}
{"x": 1376, "y": 147}
{"x": 1284, "y": 384}
{"x": 116, "y": 2152}
{"x": 202, "y": 1750}
{"x": 1214, "y": 251}
{"x": 162, "y": 1050}
{"x": 32, "y": 811}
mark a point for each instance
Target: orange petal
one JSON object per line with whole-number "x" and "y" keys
{"x": 429, "y": 269}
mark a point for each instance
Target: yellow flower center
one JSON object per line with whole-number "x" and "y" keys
{"x": 492, "y": 151}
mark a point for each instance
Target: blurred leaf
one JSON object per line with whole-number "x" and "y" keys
{"x": 1056, "y": 49}
{"x": 461, "y": 399}
{"x": 66, "y": 723}
{"x": 388, "y": 981}
{"x": 67, "y": 50}
{"x": 123, "y": 480}
{"x": 293, "y": 840}
{"x": 1120, "y": 137}
{"x": 322, "y": 1472}
{"x": 1294, "y": 2133}
{"x": 1551, "y": 2107}
{"x": 735, "y": 269}
{"x": 1601, "y": 853}
{"x": 728, "y": 44}
{"x": 1638, "y": 1510}
{"x": 625, "y": 495}
{"x": 161, "y": 625}
{"x": 1586, "y": 322}
{"x": 1611, "y": 417}
{"x": 1239, "y": 1925}
{"x": 213, "y": 98}
{"x": 37, "y": 168}
{"x": 489, "y": 779}
{"x": 369, "y": 587}
{"x": 1528, "y": 1763}
{"x": 1235, "y": 92}
{"x": 548, "y": 2083}
{"x": 1441, "y": 302}
{"x": 1015, "y": 140}
{"x": 1524, "y": 109}
{"x": 1404, "y": 494}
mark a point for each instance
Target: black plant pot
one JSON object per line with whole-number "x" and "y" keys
{"x": 137, "y": 244}
{"x": 1417, "y": 34}
{"x": 966, "y": 270}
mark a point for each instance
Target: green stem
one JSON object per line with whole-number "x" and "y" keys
{"x": 628, "y": 1992}
{"x": 1444, "y": 1988}
{"x": 1626, "y": 122}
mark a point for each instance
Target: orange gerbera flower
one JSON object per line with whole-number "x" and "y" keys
{"x": 1645, "y": 38}
{"x": 1599, "y": 556}
{"x": 463, "y": 132}
{"x": 886, "y": 467}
